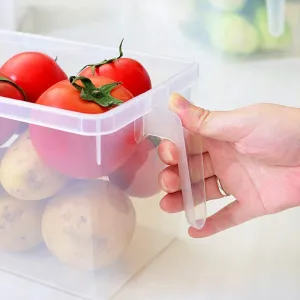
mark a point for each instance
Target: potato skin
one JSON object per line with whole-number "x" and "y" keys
{"x": 89, "y": 224}
{"x": 20, "y": 223}
{"x": 24, "y": 175}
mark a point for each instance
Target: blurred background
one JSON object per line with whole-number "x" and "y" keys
{"x": 240, "y": 63}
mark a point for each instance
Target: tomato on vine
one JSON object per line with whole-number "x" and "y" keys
{"x": 130, "y": 72}
{"x": 34, "y": 72}
{"x": 76, "y": 155}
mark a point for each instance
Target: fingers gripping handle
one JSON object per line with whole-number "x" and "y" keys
{"x": 167, "y": 125}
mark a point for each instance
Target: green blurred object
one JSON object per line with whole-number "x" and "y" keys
{"x": 228, "y": 5}
{"x": 269, "y": 42}
{"x": 235, "y": 28}
{"x": 233, "y": 34}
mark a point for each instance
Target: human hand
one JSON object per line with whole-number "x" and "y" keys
{"x": 255, "y": 153}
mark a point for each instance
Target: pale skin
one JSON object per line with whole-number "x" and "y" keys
{"x": 254, "y": 151}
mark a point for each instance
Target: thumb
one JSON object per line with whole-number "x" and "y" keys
{"x": 228, "y": 126}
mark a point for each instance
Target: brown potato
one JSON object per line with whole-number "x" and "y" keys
{"x": 20, "y": 223}
{"x": 24, "y": 175}
{"x": 89, "y": 224}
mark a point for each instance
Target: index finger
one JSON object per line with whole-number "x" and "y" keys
{"x": 168, "y": 152}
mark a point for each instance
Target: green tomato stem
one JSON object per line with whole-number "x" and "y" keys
{"x": 105, "y": 61}
{"x": 101, "y": 96}
{"x": 155, "y": 140}
{"x": 6, "y": 80}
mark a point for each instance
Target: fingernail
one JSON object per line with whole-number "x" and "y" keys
{"x": 179, "y": 102}
{"x": 163, "y": 185}
{"x": 168, "y": 156}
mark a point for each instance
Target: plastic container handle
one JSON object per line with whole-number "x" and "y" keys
{"x": 276, "y": 16}
{"x": 167, "y": 125}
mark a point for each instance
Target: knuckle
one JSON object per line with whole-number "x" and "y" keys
{"x": 201, "y": 117}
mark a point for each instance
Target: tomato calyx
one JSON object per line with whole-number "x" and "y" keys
{"x": 6, "y": 80}
{"x": 90, "y": 92}
{"x": 105, "y": 61}
{"x": 155, "y": 140}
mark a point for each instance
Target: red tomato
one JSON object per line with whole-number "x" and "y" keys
{"x": 34, "y": 72}
{"x": 130, "y": 72}
{"x": 138, "y": 177}
{"x": 76, "y": 155}
{"x": 9, "y": 89}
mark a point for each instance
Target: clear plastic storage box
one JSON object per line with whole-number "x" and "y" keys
{"x": 85, "y": 235}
